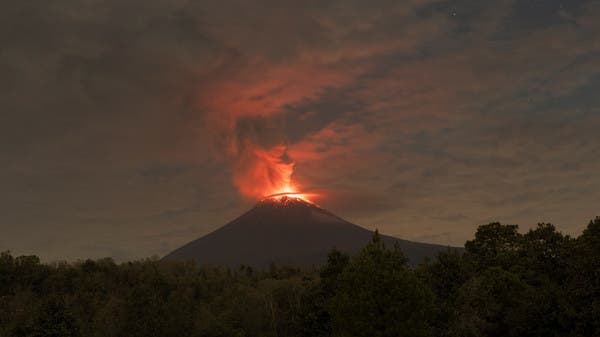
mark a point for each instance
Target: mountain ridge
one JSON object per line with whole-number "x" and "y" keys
{"x": 288, "y": 230}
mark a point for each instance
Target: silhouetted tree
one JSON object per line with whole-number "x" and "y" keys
{"x": 541, "y": 283}
{"x": 584, "y": 282}
{"x": 494, "y": 245}
{"x": 377, "y": 295}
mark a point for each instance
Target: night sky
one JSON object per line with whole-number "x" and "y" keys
{"x": 128, "y": 128}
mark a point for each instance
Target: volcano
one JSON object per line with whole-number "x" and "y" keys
{"x": 287, "y": 230}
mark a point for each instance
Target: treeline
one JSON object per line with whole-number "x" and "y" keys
{"x": 541, "y": 283}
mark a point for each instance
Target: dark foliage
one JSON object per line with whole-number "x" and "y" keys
{"x": 541, "y": 283}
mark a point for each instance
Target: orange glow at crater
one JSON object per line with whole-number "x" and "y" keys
{"x": 267, "y": 174}
{"x": 284, "y": 197}
{"x": 261, "y": 172}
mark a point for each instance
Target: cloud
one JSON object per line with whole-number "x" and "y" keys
{"x": 116, "y": 114}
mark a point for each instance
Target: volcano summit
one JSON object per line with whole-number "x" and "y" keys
{"x": 287, "y": 229}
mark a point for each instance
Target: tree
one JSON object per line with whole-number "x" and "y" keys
{"x": 445, "y": 276}
{"x": 336, "y": 263}
{"x": 378, "y": 296}
{"x": 545, "y": 252}
{"x": 583, "y": 297}
{"x": 315, "y": 303}
{"x": 490, "y": 304}
{"x": 494, "y": 245}
{"x": 54, "y": 319}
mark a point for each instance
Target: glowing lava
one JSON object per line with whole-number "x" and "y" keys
{"x": 285, "y": 197}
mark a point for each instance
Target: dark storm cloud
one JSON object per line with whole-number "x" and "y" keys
{"x": 120, "y": 119}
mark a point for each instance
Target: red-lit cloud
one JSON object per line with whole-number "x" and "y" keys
{"x": 259, "y": 93}
{"x": 259, "y": 172}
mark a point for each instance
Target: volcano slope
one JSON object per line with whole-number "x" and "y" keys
{"x": 288, "y": 231}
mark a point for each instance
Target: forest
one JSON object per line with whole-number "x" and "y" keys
{"x": 504, "y": 283}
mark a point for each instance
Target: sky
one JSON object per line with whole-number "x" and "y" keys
{"x": 129, "y": 128}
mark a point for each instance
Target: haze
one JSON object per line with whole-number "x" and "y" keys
{"x": 128, "y": 128}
